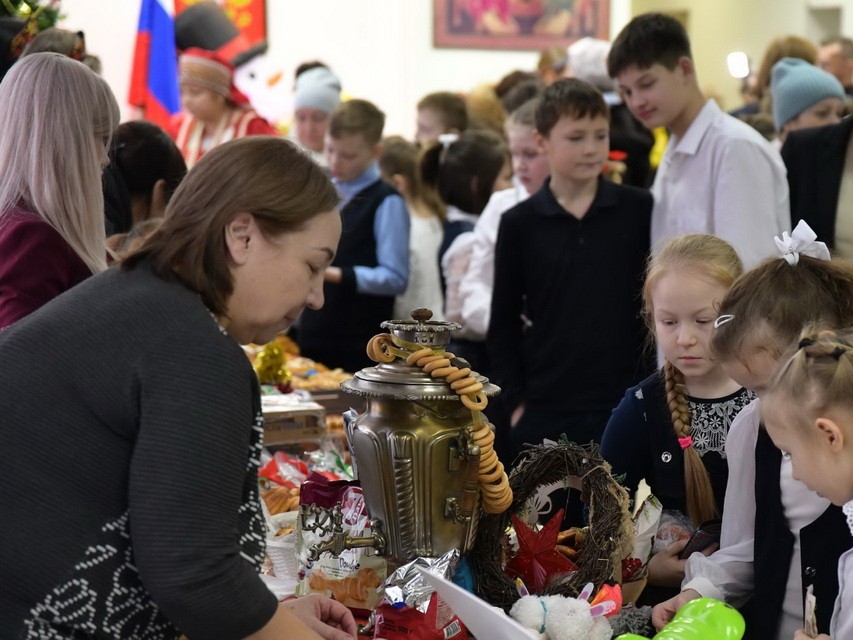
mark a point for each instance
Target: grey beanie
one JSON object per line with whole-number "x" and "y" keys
{"x": 317, "y": 88}
{"x": 588, "y": 61}
{"x": 796, "y": 85}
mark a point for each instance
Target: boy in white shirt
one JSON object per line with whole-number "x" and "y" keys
{"x": 718, "y": 175}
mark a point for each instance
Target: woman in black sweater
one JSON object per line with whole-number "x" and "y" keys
{"x": 132, "y": 422}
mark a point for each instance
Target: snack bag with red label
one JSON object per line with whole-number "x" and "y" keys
{"x": 284, "y": 470}
{"x": 353, "y": 576}
{"x": 394, "y": 622}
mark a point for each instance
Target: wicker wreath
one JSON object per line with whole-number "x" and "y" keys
{"x": 610, "y": 532}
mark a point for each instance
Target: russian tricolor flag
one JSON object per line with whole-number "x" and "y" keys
{"x": 154, "y": 80}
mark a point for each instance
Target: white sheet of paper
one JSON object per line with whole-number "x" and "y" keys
{"x": 484, "y": 620}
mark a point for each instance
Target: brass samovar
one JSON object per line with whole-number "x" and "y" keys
{"x": 414, "y": 449}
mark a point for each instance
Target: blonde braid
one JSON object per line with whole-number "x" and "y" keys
{"x": 697, "y": 483}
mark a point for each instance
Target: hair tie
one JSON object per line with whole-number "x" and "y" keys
{"x": 838, "y": 352}
{"x": 801, "y": 241}
{"x": 805, "y": 342}
{"x": 723, "y": 319}
{"x": 686, "y": 441}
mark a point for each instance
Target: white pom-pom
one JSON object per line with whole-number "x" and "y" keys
{"x": 568, "y": 619}
{"x": 529, "y": 612}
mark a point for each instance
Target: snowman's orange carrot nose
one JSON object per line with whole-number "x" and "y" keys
{"x": 274, "y": 79}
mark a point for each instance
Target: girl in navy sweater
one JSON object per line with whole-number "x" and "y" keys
{"x": 671, "y": 428}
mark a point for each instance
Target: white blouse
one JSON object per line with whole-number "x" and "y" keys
{"x": 728, "y": 574}
{"x": 475, "y": 287}
{"x": 424, "y": 288}
{"x": 842, "y": 616}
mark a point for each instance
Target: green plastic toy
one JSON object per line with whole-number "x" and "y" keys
{"x": 702, "y": 619}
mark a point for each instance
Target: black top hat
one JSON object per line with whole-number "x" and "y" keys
{"x": 205, "y": 25}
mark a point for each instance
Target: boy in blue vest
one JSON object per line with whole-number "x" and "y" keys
{"x": 372, "y": 263}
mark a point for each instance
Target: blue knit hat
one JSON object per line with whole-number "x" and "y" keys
{"x": 796, "y": 85}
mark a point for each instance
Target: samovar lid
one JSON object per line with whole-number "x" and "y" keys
{"x": 401, "y": 381}
{"x": 421, "y": 330}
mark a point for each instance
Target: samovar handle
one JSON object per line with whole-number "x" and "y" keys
{"x": 462, "y": 511}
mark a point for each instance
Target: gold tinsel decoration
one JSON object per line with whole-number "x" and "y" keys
{"x": 269, "y": 365}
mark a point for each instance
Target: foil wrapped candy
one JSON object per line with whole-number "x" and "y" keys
{"x": 407, "y": 587}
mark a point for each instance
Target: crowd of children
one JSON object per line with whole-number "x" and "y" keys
{"x": 544, "y": 215}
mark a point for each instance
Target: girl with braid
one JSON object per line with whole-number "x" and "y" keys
{"x": 808, "y": 413}
{"x": 779, "y": 538}
{"x": 671, "y": 428}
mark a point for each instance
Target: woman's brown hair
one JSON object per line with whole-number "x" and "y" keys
{"x": 790, "y": 46}
{"x": 716, "y": 260}
{"x": 269, "y": 177}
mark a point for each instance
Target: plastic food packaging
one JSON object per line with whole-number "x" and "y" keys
{"x": 352, "y": 577}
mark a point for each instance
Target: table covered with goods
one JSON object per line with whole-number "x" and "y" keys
{"x": 387, "y": 494}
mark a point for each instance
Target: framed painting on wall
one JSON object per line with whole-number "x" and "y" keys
{"x": 518, "y": 24}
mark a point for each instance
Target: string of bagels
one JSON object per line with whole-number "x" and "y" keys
{"x": 441, "y": 365}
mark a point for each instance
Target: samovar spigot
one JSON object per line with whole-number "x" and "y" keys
{"x": 340, "y": 541}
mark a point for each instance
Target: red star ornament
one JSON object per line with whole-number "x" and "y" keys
{"x": 537, "y": 562}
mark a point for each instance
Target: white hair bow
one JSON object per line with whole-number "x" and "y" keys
{"x": 801, "y": 241}
{"x": 447, "y": 139}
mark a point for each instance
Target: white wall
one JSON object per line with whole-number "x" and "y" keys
{"x": 382, "y": 49}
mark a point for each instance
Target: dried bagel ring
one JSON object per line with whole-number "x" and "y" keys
{"x": 375, "y": 349}
{"x": 488, "y": 438}
{"x": 503, "y": 505}
{"x": 461, "y": 373}
{"x": 440, "y": 363}
{"x": 485, "y": 448}
{"x": 417, "y": 355}
{"x": 497, "y": 507}
{"x": 464, "y": 382}
{"x": 481, "y": 432}
{"x": 494, "y": 490}
{"x": 499, "y": 498}
{"x": 472, "y": 387}
{"x": 488, "y": 461}
{"x": 475, "y": 402}
{"x": 493, "y": 475}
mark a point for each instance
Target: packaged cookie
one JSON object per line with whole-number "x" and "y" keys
{"x": 336, "y": 508}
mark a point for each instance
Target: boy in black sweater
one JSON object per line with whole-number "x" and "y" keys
{"x": 565, "y": 335}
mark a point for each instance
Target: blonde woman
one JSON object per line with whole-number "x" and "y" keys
{"x": 56, "y": 124}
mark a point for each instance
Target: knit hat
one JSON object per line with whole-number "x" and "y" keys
{"x": 796, "y": 85}
{"x": 317, "y": 88}
{"x": 205, "y": 69}
{"x": 587, "y": 60}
